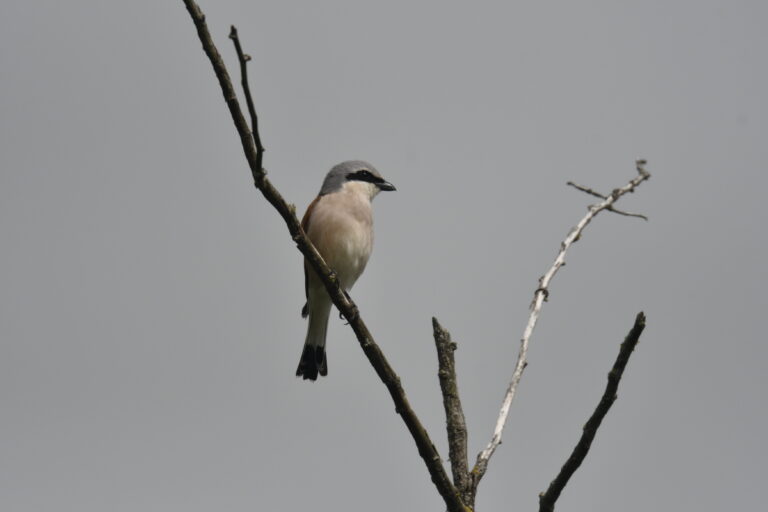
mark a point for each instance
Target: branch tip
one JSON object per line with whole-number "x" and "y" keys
{"x": 589, "y": 430}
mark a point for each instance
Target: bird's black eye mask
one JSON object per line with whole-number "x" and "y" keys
{"x": 364, "y": 175}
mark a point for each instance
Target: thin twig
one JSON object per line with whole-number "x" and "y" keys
{"x": 547, "y": 499}
{"x": 230, "y": 96}
{"x": 456, "y": 426}
{"x": 244, "y": 59}
{"x": 540, "y": 296}
{"x": 345, "y": 305}
{"x": 601, "y": 196}
{"x": 587, "y": 190}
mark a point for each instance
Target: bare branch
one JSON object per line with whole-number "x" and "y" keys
{"x": 547, "y": 499}
{"x": 244, "y": 59}
{"x": 628, "y": 214}
{"x": 230, "y": 96}
{"x": 601, "y": 196}
{"x": 454, "y": 415}
{"x": 540, "y": 296}
{"x": 345, "y": 305}
{"x": 587, "y": 190}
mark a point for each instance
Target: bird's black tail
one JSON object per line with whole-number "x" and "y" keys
{"x": 312, "y": 363}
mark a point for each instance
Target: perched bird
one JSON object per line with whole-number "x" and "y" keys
{"x": 339, "y": 222}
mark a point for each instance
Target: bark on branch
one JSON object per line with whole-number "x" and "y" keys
{"x": 547, "y": 499}
{"x": 243, "y": 59}
{"x": 456, "y": 426}
{"x": 253, "y": 154}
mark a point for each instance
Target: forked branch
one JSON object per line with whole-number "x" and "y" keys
{"x": 243, "y": 59}
{"x": 595, "y": 193}
{"x": 253, "y": 153}
{"x": 539, "y": 297}
{"x": 456, "y": 427}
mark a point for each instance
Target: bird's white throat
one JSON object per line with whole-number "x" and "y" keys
{"x": 361, "y": 187}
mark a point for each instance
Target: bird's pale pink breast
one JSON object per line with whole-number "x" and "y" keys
{"x": 340, "y": 226}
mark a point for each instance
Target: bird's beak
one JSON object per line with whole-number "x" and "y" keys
{"x": 386, "y": 186}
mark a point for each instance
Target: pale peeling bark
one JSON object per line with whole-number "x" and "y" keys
{"x": 540, "y": 296}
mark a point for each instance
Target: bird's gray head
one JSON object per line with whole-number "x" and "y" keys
{"x": 354, "y": 171}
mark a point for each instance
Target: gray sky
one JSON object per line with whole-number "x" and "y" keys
{"x": 149, "y": 297}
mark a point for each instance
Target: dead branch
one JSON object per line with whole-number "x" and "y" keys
{"x": 243, "y": 59}
{"x": 547, "y": 499}
{"x": 454, "y": 414}
{"x": 540, "y": 296}
{"x": 591, "y": 192}
{"x": 345, "y": 305}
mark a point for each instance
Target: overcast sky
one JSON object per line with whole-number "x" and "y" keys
{"x": 150, "y": 297}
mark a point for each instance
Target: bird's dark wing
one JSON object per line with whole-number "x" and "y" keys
{"x": 305, "y": 227}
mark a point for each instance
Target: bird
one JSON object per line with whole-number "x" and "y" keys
{"x": 339, "y": 222}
